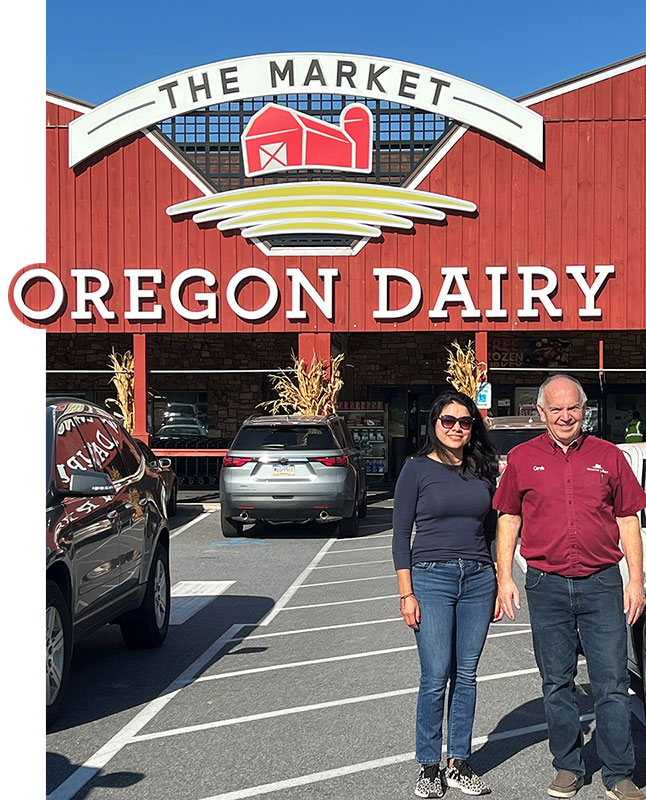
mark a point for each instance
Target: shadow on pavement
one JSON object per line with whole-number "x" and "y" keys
{"x": 494, "y": 753}
{"x": 114, "y": 780}
{"x": 108, "y": 678}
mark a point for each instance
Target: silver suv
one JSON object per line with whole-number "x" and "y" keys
{"x": 293, "y": 468}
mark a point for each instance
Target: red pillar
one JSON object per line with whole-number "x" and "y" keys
{"x": 482, "y": 354}
{"x": 318, "y": 344}
{"x": 141, "y": 387}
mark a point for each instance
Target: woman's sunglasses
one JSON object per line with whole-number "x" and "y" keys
{"x": 447, "y": 421}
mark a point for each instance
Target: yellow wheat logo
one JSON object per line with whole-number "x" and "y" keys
{"x": 329, "y": 207}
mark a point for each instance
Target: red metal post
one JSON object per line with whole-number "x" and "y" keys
{"x": 141, "y": 387}
{"x": 482, "y": 354}
{"x": 310, "y": 344}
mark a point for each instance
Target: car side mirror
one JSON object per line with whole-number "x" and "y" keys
{"x": 86, "y": 483}
{"x": 164, "y": 463}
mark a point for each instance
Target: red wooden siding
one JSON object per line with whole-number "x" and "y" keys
{"x": 585, "y": 205}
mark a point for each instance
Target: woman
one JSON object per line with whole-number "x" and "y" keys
{"x": 447, "y": 581}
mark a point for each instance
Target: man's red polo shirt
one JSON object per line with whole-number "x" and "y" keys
{"x": 569, "y": 502}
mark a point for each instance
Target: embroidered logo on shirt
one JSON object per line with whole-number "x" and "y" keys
{"x": 538, "y": 468}
{"x": 597, "y": 468}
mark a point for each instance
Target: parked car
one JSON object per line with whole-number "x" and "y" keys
{"x": 107, "y": 538}
{"x": 636, "y": 456}
{"x": 185, "y": 411}
{"x": 162, "y": 466}
{"x": 293, "y": 468}
{"x": 507, "y": 432}
{"x": 179, "y": 431}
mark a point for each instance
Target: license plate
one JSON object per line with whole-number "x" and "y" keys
{"x": 284, "y": 469}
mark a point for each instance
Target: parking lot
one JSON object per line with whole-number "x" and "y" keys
{"x": 288, "y": 671}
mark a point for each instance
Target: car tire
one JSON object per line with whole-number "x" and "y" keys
{"x": 171, "y": 506}
{"x": 58, "y": 649}
{"x": 349, "y": 526}
{"x": 230, "y": 527}
{"x": 362, "y": 509}
{"x": 148, "y": 626}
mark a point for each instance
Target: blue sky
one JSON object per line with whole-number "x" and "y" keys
{"x": 96, "y": 51}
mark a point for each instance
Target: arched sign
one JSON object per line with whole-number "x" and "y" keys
{"x": 306, "y": 73}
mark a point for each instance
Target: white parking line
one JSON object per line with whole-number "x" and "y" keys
{"x": 96, "y": 762}
{"x": 314, "y": 630}
{"x": 189, "y": 597}
{"x": 286, "y": 597}
{"x": 293, "y": 664}
{"x": 190, "y": 524}
{"x": 341, "y": 602}
{"x": 356, "y": 564}
{"x": 350, "y": 580}
{"x": 113, "y": 746}
{"x": 284, "y": 712}
{"x": 364, "y": 766}
{"x": 329, "y": 659}
{"x": 357, "y": 549}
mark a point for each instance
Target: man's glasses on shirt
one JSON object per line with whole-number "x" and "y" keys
{"x": 447, "y": 421}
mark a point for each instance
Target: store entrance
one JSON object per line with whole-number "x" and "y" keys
{"x": 408, "y": 408}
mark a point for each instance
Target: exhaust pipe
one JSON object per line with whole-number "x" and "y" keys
{"x": 323, "y": 515}
{"x": 244, "y": 516}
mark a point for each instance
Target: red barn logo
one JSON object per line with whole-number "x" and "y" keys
{"x": 278, "y": 138}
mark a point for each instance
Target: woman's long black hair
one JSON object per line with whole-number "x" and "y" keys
{"x": 479, "y": 455}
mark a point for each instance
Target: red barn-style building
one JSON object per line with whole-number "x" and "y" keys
{"x": 549, "y": 272}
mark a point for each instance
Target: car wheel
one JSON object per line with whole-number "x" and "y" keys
{"x": 349, "y": 526}
{"x": 149, "y": 625}
{"x": 171, "y": 506}
{"x": 362, "y": 509}
{"x": 59, "y": 649}
{"x": 230, "y": 527}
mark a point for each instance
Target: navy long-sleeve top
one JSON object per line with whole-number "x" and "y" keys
{"x": 452, "y": 515}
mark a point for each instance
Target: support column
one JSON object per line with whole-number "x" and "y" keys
{"x": 318, "y": 344}
{"x": 141, "y": 387}
{"x": 482, "y": 354}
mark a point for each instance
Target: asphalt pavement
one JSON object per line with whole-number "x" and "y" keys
{"x": 288, "y": 672}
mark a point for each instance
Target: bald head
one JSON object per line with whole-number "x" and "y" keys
{"x": 561, "y": 405}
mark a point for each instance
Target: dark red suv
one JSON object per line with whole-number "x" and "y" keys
{"x": 107, "y": 538}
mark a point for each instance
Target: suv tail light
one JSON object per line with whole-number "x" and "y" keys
{"x": 333, "y": 461}
{"x": 229, "y": 461}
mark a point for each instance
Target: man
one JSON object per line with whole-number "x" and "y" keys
{"x": 577, "y": 498}
{"x": 634, "y": 432}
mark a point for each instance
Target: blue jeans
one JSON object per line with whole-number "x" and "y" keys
{"x": 456, "y": 601}
{"x": 593, "y": 606}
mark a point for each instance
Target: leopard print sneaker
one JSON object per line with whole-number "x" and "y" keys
{"x": 460, "y": 776}
{"x": 430, "y": 783}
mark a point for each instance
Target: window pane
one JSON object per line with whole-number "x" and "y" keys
{"x": 71, "y": 452}
{"x": 285, "y": 437}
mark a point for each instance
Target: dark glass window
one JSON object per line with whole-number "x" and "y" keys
{"x": 71, "y": 452}
{"x": 285, "y": 437}
{"x": 129, "y": 455}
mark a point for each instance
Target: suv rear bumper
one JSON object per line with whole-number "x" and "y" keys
{"x": 286, "y": 509}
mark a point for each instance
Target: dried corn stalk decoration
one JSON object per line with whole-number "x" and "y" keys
{"x": 123, "y": 379}
{"x": 465, "y": 373}
{"x": 307, "y": 390}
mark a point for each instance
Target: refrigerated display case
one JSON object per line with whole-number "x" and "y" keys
{"x": 368, "y": 423}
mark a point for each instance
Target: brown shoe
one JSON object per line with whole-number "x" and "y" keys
{"x": 625, "y": 790}
{"x": 567, "y": 784}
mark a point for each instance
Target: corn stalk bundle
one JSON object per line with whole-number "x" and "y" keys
{"x": 465, "y": 373}
{"x": 123, "y": 379}
{"x": 307, "y": 390}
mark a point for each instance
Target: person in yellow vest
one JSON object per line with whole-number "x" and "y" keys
{"x": 634, "y": 429}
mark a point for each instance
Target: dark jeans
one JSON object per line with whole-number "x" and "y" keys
{"x": 558, "y": 607}
{"x": 456, "y": 601}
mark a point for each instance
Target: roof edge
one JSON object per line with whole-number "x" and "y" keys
{"x": 585, "y": 79}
